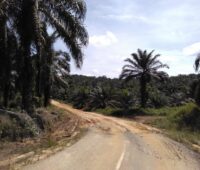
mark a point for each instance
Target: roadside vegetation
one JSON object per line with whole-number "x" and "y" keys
{"x": 60, "y": 129}
{"x": 30, "y": 64}
{"x": 181, "y": 123}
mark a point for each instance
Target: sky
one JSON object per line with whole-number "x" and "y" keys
{"x": 117, "y": 28}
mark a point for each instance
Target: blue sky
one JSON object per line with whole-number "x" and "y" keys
{"x": 118, "y": 28}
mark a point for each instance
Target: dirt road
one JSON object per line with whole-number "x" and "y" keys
{"x": 115, "y": 144}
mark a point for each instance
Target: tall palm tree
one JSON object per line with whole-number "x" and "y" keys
{"x": 143, "y": 66}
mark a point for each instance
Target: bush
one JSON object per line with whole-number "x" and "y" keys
{"x": 159, "y": 100}
{"x": 16, "y": 102}
{"x": 11, "y": 130}
{"x": 188, "y": 117}
{"x": 38, "y": 101}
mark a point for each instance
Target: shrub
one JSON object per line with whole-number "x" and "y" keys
{"x": 16, "y": 102}
{"x": 188, "y": 117}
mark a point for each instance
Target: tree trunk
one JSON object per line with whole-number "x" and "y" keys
{"x": 27, "y": 75}
{"x": 48, "y": 79}
{"x": 27, "y": 37}
{"x": 6, "y": 62}
{"x": 38, "y": 79}
{"x": 143, "y": 92}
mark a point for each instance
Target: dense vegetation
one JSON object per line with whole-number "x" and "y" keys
{"x": 29, "y": 63}
{"x": 83, "y": 91}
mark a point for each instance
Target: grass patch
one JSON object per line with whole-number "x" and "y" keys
{"x": 181, "y": 123}
{"x": 108, "y": 111}
{"x": 164, "y": 111}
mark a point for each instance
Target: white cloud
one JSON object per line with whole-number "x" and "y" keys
{"x": 192, "y": 49}
{"x": 103, "y": 40}
{"x": 126, "y": 17}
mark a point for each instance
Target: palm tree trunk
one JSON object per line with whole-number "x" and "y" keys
{"x": 47, "y": 92}
{"x": 6, "y": 62}
{"x": 48, "y": 79}
{"x": 27, "y": 74}
{"x": 143, "y": 92}
{"x": 38, "y": 78}
{"x": 27, "y": 68}
{"x": 7, "y": 71}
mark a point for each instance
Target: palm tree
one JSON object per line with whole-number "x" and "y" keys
{"x": 143, "y": 66}
{"x": 101, "y": 97}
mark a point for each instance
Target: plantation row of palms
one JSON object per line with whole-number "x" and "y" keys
{"x": 29, "y": 64}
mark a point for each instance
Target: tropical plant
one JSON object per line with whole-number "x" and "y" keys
{"x": 143, "y": 66}
{"x": 125, "y": 100}
{"x": 100, "y": 97}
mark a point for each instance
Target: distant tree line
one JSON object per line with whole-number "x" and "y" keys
{"x": 90, "y": 93}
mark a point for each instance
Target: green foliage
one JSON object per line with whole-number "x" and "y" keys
{"x": 188, "y": 117}
{"x": 124, "y": 99}
{"x": 29, "y": 63}
{"x": 181, "y": 123}
{"x": 80, "y": 98}
{"x": 174, "y": 92}
{"x": 12, "y": 130}
{"x": 157, "y": 98}
{"x": 145, "y": 67}
{"x": 16, "y": 102}
{"x": 108, "y": 111}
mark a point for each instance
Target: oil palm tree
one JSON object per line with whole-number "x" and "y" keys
{"x": 101, "y": 97}
{"x": 143, "y": 66}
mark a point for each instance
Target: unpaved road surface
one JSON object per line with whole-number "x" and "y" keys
{"x": 115, "y": 144}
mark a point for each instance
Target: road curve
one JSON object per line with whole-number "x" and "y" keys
{"x": 115, "y": 144}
